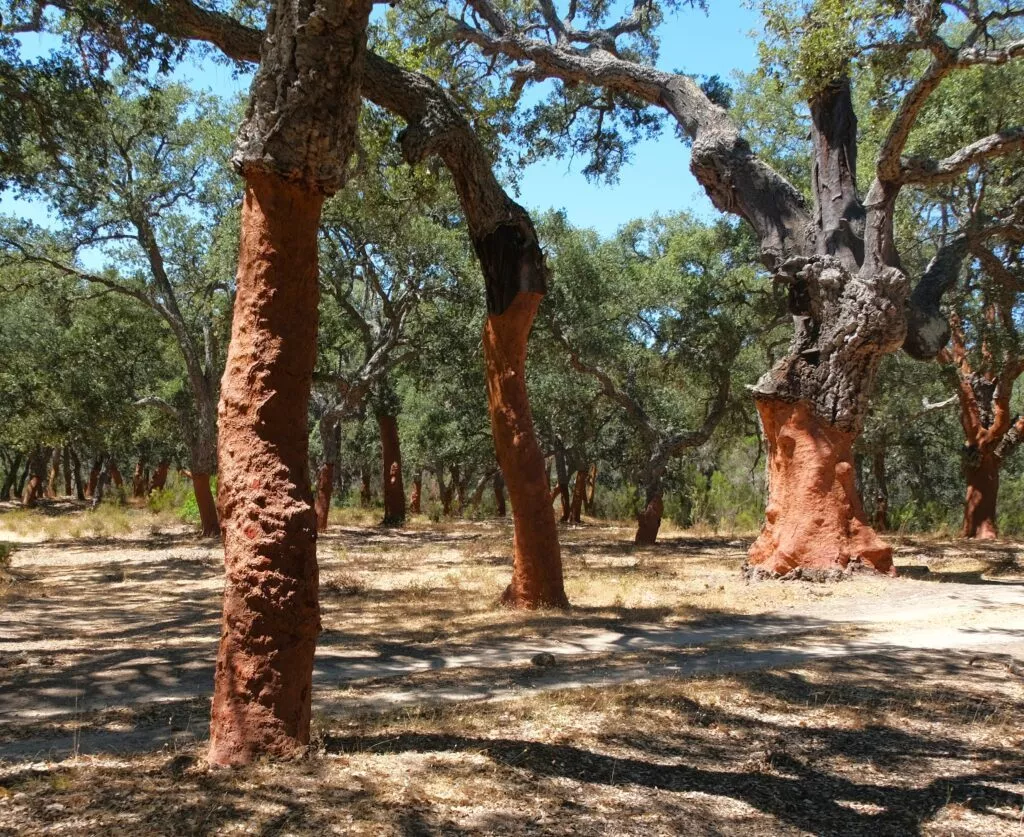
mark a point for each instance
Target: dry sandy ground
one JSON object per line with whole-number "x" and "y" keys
{"x": 681, "y": 698}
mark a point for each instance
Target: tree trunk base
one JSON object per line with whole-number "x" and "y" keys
{"x": 324, "y": 489}
{"x": 537, "y": 559}
{"x": 264, "y": 676}
{"x": 207, "y": 508}
{"x": 982, "y": 495}
{"x": 648, "y": 522}
{"x": 815, "y": 527}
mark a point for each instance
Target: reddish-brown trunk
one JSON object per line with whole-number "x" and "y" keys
{"x": 499, "y": 495}
{"x": 579, "y": 491}
{"x": 33, "y": 489}
{"x": 207, "y": 508}
{"x": 139, "y": 480}
{"x": 648, "y": 522}
{"x": 115, "y": 474}
{"x": 814, "y": 522}
{"x": 264, "y": 676}
{"x": 160, "y": 475}
{"x": 982, "y": 494}
{"x": 415, "y": 497}
{"x": 324, "y": 489}
{"x": 391, "y": 473}
{"x": 537, "y": 559}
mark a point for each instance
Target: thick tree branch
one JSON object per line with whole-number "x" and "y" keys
{"x": 921, "y": 171}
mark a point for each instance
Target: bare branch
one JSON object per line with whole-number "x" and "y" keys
{"x": 916, "y": 170}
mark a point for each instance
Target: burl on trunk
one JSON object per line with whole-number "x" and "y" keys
{"x": 292, "y": 150}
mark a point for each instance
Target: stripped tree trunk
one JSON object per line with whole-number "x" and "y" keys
{"x": 292, "y": 151}
{"x": 391, "y": 472}
{"x": 33, "y": 489}
{"x": 115, "y": 474}
{"x": 94, "y": 475}
{"x": 139, "y": 481}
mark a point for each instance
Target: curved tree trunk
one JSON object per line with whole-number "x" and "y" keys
{"x": 499, "y": 495}
{"x": 579, "y": 492}
{"x": 416, "y": 495}
{"x": 271, "y": 618}
{"x": 982, "y": 474}
{"x": 815, "y": 524}
{"x": 160, "y": 475}
{"x": 537, "y": 560}
{"x": 391, "y": 472}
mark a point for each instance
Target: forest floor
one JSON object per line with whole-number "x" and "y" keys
{"x": 677, "y": 698}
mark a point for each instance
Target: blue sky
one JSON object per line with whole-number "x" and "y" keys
{"x": 656, "y": 180}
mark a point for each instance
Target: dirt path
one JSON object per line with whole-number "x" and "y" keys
{"x": 109, "y": 646}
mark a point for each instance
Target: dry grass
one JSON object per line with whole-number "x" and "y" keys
{"x": 829, "y": 749}
{"x": 910, "y": 743}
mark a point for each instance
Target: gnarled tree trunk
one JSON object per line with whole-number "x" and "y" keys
{"x": 815, "y": 524}
{"x": 391, "y": 472}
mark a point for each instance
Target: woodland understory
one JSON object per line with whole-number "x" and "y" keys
{"x": 323, "y": 299}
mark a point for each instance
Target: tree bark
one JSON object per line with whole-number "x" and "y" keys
{"x": 982, "y": 473}
{"x": 499, "y": 495}
{"x": 415, "y": 496}
{"x": 579, "y": 493}
{"x": 365, "y": 490}
{"x": 33, "y": 490}
{"x": 648, "y": 521}
{"x": 271, "y": 615}
{"x": 160, "y": 475}
{"x": 391, "y": 472}
{"x": 815, "y": 525}
{"x": 537, "y": 560}
{"x": 208, "y": 519}
{"x": 12, "y": 478}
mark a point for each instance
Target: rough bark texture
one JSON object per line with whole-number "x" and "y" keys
{"x": 208, "y": 520}
{"x": 537, "y": 560}
{"x": 271, "y": 615}
{"x": 391, "y": 472}
{"x": 293, "y": 150}
{"x": 815, "y": 525}
{"x": 982, "y": 473}
{"x": 416, "y": 495}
